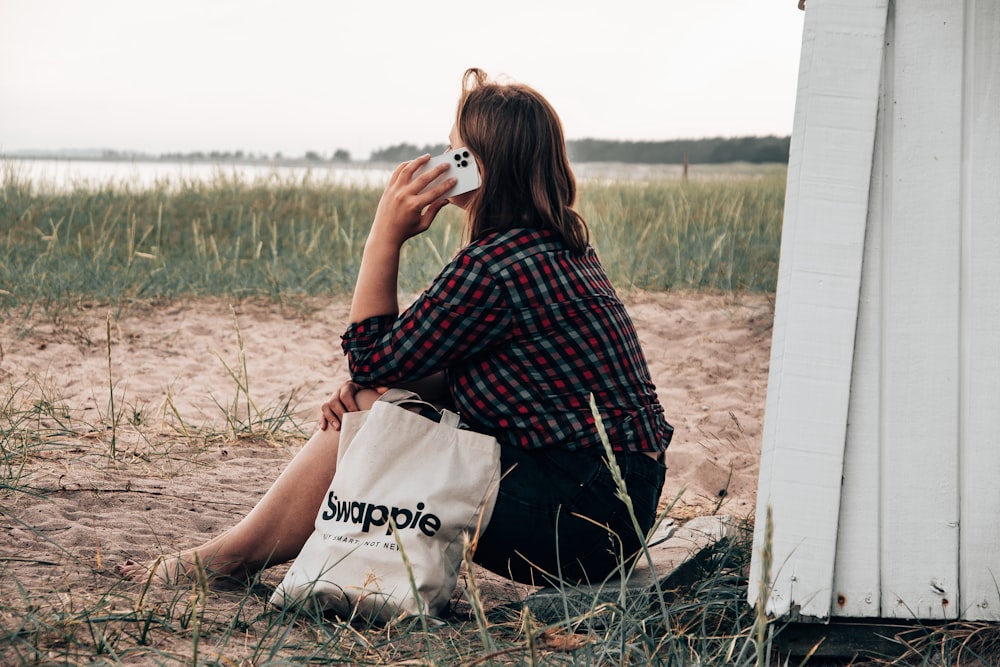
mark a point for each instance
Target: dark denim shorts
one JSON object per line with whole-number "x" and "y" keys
{"x": 558, "y": 517}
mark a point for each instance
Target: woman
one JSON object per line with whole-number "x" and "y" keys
{"x": 516, "y": 334}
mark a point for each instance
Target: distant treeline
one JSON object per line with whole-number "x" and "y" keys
{"x": 716, "y": 150}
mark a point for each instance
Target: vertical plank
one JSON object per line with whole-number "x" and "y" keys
{"x": 817, "y": 302}
{"x": 980, "y": 501}
{"x": 919, "y": 398}
{"x": 857, "y": 577}
{"x": 775, "y": 368}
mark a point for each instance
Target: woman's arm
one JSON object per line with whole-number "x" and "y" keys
{"x": 375, "y": 291}
{"x": 462, "y": 313}
{"x": 404, "y": 211}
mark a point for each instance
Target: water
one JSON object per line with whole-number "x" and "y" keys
{"x": 95, "y": 174}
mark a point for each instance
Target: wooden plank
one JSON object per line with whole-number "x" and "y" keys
{"x": 920, "y": 349}
{"x": 856, "y": 578}
{"x": 816, "y": 308}
{"x": 980, "y": 502}
{"x": 775, "y": 369}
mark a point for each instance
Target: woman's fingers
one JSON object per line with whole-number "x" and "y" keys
{"x": 346, "y": 395}
{"x": 422, "y": 180}
{"x": 344, "y": 399}
{"x": 419, "y": 182}
{"x": 329, "y": 418}
{"x": 427, "y": 217}
{"x": 416, "y": 163}
{"x": 333, "y": 410}
{"x": 403, "y": 214}
{"x": 418, "y": 195}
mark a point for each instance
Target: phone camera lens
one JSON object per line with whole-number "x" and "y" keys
{"x": 465, "y": 154}
{"x": 457, "y": 157}
{"x": 465, "y": 163}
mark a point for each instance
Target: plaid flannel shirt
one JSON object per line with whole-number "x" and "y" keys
{"x": 526, "y": 331}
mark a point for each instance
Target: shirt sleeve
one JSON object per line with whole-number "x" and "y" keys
{"x": 462, "y": 314}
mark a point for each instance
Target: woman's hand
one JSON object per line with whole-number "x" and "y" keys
{"x": 406, "y": 208}
{"x": 345, "y": 399}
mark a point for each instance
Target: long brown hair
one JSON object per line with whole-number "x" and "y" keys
{"x": 527, "y": 181}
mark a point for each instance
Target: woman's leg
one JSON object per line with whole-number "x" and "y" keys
{"x": 278, "y": 525}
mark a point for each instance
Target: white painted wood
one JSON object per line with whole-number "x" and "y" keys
{"x": 920, "y": 314}
{"x": 817, "y": 299}
{"x": 775, "y": 369}
{"x": 857, "y": 577}
{"x": 980, "y": 417}
{"x": 912, "y": 528}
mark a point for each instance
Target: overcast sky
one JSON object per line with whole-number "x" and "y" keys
{"x": 297, "y": 75}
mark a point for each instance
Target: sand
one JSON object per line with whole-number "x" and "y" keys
{"x": 179, "y": 475}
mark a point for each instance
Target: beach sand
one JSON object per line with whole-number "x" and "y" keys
{"x": 179, "y": 475}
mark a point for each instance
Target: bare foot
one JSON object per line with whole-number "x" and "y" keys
{"x": 163, "y": 571}
{"x": 175, "y": 571}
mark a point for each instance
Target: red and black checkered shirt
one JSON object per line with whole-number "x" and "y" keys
{"x": 527, "y": 331}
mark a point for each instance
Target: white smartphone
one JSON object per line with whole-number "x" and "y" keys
{"x": 463, "y": 167}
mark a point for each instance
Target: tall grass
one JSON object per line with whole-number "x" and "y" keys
{"x": 282, "y": 239}
{"x": 718, "y": 234}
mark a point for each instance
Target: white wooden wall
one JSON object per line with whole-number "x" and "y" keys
{"x": 881, "y": 450}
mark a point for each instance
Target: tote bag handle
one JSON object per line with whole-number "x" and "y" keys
{"x": 405, "y": 398}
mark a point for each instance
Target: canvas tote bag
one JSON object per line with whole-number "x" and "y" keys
{"x": 433, "y": 480}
